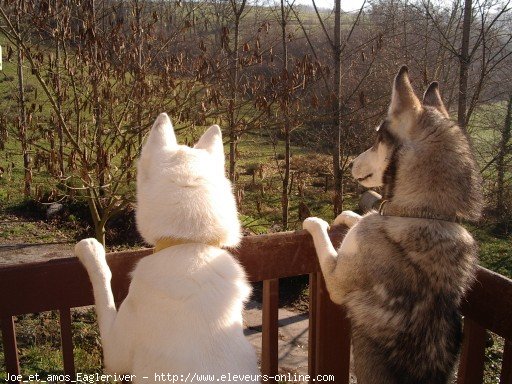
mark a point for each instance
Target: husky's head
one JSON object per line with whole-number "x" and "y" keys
{"x": 421, "y": 158}
{"x": 182, "y": 192}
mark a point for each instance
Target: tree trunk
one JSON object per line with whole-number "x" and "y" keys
{"x": 464, "y": 61}
{"x": 22, "y": 120}
{"x": 235, "y": 68}
{"x": 139, "y": 76}
{"x": 286, "y": 175}
{"x": 500, "y": 161}
{"x": 99, "y": 230}
{"x": 232, "y": 149}
{"x": 59, "y": 91}
{"x": 99, "y": 218}
{"x": 338, "y": 195}
{"x": 286, "y": 179}
{"x": 101, "y": 156}
{"x": 233, "y": 136}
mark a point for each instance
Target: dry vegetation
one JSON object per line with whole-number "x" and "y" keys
{"x": 84, "y": 81}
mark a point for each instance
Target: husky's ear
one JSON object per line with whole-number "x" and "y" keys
{"x": 211, "y": 141}
{"x": 162, "y": 133}
{"x": 403, "y": 98}
{"x": 432, "y": 98}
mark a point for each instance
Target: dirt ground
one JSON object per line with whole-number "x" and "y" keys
{"x": 25, "y": 241}
{"x": 18, "y": 253}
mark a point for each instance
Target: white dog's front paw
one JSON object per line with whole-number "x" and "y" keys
{"x": 347, "y": 218}
{"x": 92, "y": 255}
{"x": 314, "y": 224}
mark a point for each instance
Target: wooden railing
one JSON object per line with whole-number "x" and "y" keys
{"x": 63, "y": 284}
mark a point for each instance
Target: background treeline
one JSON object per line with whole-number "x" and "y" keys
{"x": 296, "y": 89}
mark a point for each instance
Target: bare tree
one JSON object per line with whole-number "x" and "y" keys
{"x": 22, "y": 118}
{"x": 340, "y": 97}
{"x": 464, "y": 62}
{"x": 238, "y": 10}
{"x": 481, "y": 48}
{"x": 285, "y": 14}
{"x": 337, "y": 107}
{"x": 501, "y": 163}
{"x": 97, "y": 107}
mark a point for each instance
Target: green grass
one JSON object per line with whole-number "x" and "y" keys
{"x": 493, "y": 358}
{"x": 39, "y": 347}
{"x": 9, "y": 85}
{"x": 484, "y": 128}
{"x": 495, "y": 251}
{"x": 263, "y": 209}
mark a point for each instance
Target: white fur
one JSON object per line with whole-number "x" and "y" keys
{"x": 369, "y": 166}
{"x": 347, "y": 218}
{"x": 328, "y": 257}
{"x": 182, "y": 191}
{"x": 183, "y": 312}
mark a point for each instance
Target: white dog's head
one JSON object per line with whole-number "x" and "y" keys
{"x": 182, "y": 192}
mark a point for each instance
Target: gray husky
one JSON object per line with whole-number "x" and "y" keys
{"x": 401, "y": 272}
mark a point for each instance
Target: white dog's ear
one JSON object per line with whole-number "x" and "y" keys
{"x": 211, "y": 141}
{"x": 162, "y": 133}
{"x": 161, "y": 136}
{"x": 432, "y": 98}
{"x": 403, "y": 98}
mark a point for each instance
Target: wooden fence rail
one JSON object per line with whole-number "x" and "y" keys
{"x": 63, "y": 284}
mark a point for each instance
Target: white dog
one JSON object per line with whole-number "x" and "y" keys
{"x": 183, "y": 312}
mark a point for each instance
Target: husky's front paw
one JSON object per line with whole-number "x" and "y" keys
{"x": 314, "y": 225}
{"x": 347, "y": 218}
{"x": 92, "y": 255}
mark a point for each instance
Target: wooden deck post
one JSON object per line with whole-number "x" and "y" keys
{"x": 66, "y": 338}
{"x": 313, "y": 277}
{"x": 332, "y": 334}
{"x": 471, "y": 365}
{"x": 12, "y": 365}
{"x": 270, "y": 332}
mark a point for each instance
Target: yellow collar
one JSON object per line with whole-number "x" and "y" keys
{"x": 167, "y": 242}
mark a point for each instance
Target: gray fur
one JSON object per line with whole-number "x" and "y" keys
{"x": 437, "y": 170}
{"x": 403, "y": 304}
{"x": 432, "y": 98}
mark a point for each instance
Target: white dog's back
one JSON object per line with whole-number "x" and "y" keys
{"x": 199, "y": 291}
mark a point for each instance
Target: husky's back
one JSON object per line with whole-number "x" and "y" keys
{"x": 406, "y": 323}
